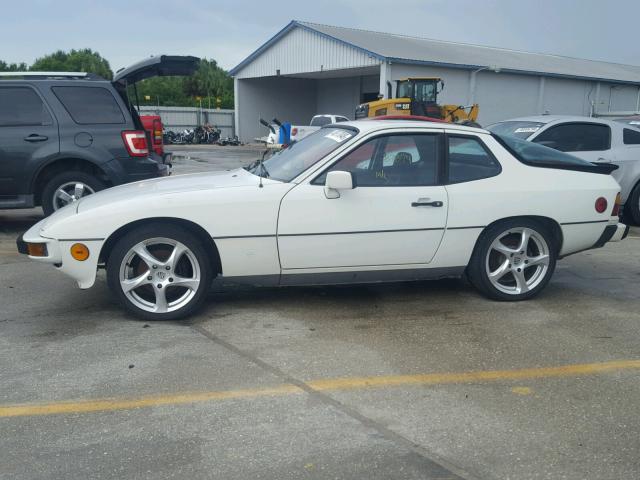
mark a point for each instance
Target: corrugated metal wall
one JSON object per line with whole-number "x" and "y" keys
{"x": 303, "y": 51}
{"x": 181, "y": 118}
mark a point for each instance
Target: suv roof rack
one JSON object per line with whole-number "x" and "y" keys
{"x": 50, "y": 75}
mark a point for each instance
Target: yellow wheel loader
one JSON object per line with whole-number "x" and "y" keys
{"x": 419, "y": 97}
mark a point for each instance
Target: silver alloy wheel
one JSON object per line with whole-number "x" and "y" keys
{"x": 159, "y": 275}
{"x": 517, "y": 261}
{"x": 70, "y": 192}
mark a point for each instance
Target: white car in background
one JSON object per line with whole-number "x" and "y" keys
{"x": 365, "y": 201}
{"x": 592, "y": 139}
{"x": 298, "y": 132}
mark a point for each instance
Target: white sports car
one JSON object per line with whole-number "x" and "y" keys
{"x": 365, "y": 201}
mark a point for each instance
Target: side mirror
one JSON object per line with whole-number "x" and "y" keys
{"x": 336, "y": 181}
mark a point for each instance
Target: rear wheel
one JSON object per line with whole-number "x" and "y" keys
{"x": 160, "y": 272}
{"x": 66, "y": 188}
{"x": 513, "y": 260}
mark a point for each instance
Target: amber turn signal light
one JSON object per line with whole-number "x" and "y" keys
{"x": 37, "y": 249}
{"x": 79, "y": 251}
{"x": 616, "y": 207}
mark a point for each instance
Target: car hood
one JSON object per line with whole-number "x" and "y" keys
{"x": 170, "y": 185}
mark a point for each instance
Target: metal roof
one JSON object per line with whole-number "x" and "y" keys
{"x": 415, "y": 50}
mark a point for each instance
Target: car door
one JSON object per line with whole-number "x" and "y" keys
{"x": 28, "y": 137}
{"x": 590, "y": 141}
{"x": 395, "y": 215}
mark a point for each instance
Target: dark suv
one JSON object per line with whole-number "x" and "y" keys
{"x": 67, "y": 135}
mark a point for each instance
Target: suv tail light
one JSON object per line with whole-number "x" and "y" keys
{"x": 616, "y": 208}
{"x": 136, "y": 143}
{"x": 294, "y": 132}
{"x": 157, "y": 132}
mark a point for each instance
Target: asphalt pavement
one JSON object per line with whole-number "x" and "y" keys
{"x": 423, "y": 380}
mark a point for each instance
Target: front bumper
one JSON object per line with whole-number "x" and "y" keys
{"x": 22, "y": 245}
{"x": 58, "y": 254}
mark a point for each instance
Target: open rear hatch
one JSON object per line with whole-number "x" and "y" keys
{"x": 161, "y": 66}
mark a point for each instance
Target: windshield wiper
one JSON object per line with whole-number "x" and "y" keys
{"x": 257, "y": 168}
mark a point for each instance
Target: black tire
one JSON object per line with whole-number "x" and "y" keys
{"x": 50, "y": 188}
{"x": 153, "y": 231}
{"x": 483, "y": 255}
{"x": 632, "y": 207}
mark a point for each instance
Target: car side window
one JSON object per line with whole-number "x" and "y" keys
{"x": 470, "y": 160}
{"x": 342, "y": 119}
{"x": 631, "y": 137}
{"x": 576, "y": 137}
{"x": 21, "y": 106}
{"x": 393, "y": 160}
{"x": 90, "y": 105}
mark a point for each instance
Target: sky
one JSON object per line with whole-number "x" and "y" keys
{"x": 228, "y": 30}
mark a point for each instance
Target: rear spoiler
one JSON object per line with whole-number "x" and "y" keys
{"x": 591, "y": 167}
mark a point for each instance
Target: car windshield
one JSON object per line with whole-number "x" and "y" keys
{"x": 518, "y": 129}
{"x": 299, "y": 156}
{"x": 538, "y": 155}
{"x": 320, "y": 121}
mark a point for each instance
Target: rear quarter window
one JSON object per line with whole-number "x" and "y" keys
{"x": 469, "y": 159}
{"x": 631, "y": 137}
{"x": 90, "y": 105}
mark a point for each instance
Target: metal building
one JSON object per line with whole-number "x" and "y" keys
{"x": 306, "y": 69}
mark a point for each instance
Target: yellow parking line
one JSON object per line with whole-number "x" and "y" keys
{"x": 474, "y": 376}
{"x": 107, "y": 404}
{"x": 335, "y": 384}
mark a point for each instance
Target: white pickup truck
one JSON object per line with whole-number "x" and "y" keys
{"x": 298, "y": 132}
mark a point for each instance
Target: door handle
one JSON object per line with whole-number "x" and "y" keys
{"x": 35, "y": 138}
{"x": 424, "y": 202}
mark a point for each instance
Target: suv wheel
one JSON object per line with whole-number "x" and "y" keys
{"x": 66, "y": 188}
{"x": 513, "y": 260}
{"x": 160, "y": 272}
{"x": 632, "y": 207}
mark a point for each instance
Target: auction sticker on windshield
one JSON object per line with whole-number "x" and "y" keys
{"x": 526, "y": 129}
{"x": 339, "y": 135}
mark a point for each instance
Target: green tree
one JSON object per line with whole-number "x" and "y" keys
{"x": 84, "y": 60}
{"x": 210, "y": 83}
{"x": 13, "y": 67}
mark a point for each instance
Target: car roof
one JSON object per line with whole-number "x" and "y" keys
{"x": 370, "y": 125}
{"x": 559, "y": 118}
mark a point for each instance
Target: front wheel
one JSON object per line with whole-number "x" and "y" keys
{"x": 513, "y": 260}
{"x": 160, "y": 272}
